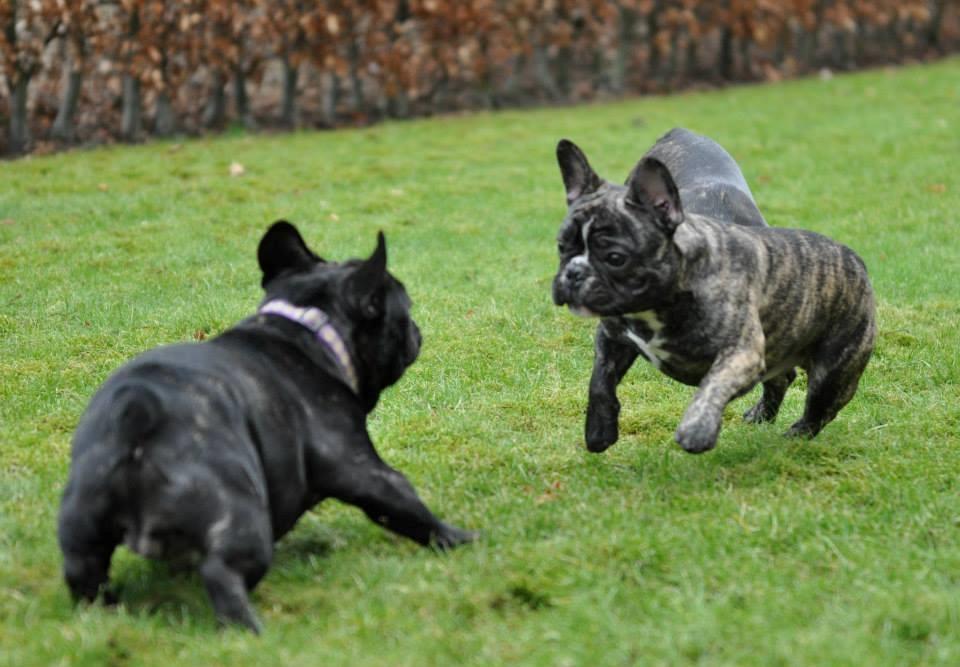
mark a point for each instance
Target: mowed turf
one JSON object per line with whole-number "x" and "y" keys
{"x": 844, "y": 550}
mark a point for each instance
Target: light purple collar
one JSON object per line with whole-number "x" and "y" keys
{"x": 319, "y": 323}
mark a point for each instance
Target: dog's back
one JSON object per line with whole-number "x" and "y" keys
{"x": 708, "y": 178}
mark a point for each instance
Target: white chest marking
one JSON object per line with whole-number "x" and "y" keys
{"x": 651, "y": 349}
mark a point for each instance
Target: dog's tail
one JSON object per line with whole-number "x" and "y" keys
{"x": 137, "y": 411}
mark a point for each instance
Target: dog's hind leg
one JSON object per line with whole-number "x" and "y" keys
{"x": 227, "y": 588}
{"x": 833, "y": 376}
{"x": 240, "y": 555}
{"x": 88, "y": 539}
{"x": 768, "y": 406}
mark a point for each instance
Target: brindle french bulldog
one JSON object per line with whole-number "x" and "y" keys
{"x": 212, "y": 451}
{"x": 682, "y": 269}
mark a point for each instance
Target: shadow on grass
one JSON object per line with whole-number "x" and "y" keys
{"x": 156, "y": 589}
{"x": 175, "y": 594}
{"x": 746, "y": 456}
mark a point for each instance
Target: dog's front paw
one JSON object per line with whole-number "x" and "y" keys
{"x": 449, "y": 537}
{"x": 697, "y": 436}
{"x": 601, "y": 429}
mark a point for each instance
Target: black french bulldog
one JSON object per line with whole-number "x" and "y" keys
{"x": 681, "y": 268}
{"x": 212, "y": 451}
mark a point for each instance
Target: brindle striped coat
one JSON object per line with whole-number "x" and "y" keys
{"x": 682, "y": 269}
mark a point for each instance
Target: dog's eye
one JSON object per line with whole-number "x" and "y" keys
{"x": 615, "y": 259}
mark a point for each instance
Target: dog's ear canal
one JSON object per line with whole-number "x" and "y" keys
{"x": 651, "y": 187}
{"x": 367, "y": 283}
{"x": 579, "y": 178}
{"x": 283, "y": 249}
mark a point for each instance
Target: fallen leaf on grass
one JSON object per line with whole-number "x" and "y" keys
{"x": 552, "y": 492}
{"x": 937, "y": 187}
{"x": 102, "y": 187}
{"x": 7, "y": 221}
{"x": 237, "y": 169}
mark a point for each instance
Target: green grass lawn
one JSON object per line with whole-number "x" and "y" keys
{"x": 844, "y": 550}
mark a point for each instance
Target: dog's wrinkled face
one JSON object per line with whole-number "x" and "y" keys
{"x": 615, "y": 245}
{"x": 369, "y": 307}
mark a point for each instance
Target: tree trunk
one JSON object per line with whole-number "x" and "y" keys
{"x": 63, "y": 127}
{"x": 691, "y": 61}
{"x": 933, "y": 27}
{"x": 331, "y": 93}
{"x": 356, "y": 84}
{"x": 165, "y": 122}
{"x": 488, "y": 80}
{"x": 216, "y": 110}
{"x": 670, "y": 78}
{"x": 653, "y": 53}
{"x": 240, "y": 99}
{"x": 288, "y": 111}
{"x": 780, "y": 46}
{"x": 398, "y": 106}
{"x": 131, "y": 120}
{"x": 541, "y": 68}
{"x": 626, "y": 19}
{"x": 563, "y": 66}
{"x": 838, "y": 49}
{"x": 746, "y": 58}
{"x": 860, "y": 39}
{"x": 511, "y": 83}
{"x": 131, "y": 125}
{"x": 725, "y": 64}
{"x": 19, "y": 126}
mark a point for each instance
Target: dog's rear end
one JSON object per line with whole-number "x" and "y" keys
{"x": 139, "y": 477}
{"x": 106, "y": 451}
{"x": 708, "y": 178}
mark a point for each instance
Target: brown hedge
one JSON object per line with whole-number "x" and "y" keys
{"x": 89, "y": 71}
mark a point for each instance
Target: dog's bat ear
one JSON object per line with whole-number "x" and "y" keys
{"x": 650, "y": 187}
{"x": 366, "y": 283}
{"x": 282, "y": 249}
{"x": 579, "y": 178}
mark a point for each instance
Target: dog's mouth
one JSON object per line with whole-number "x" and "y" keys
{"x": 581, "y": 311}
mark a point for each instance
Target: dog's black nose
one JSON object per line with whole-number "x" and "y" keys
{"x": 575, "y": 274}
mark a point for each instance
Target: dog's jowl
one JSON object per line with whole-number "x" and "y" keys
{"x": 681, "y": 268}
{"x": 212, "y": 451}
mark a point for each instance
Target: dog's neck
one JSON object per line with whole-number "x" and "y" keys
{"x": 319, "y": 323}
